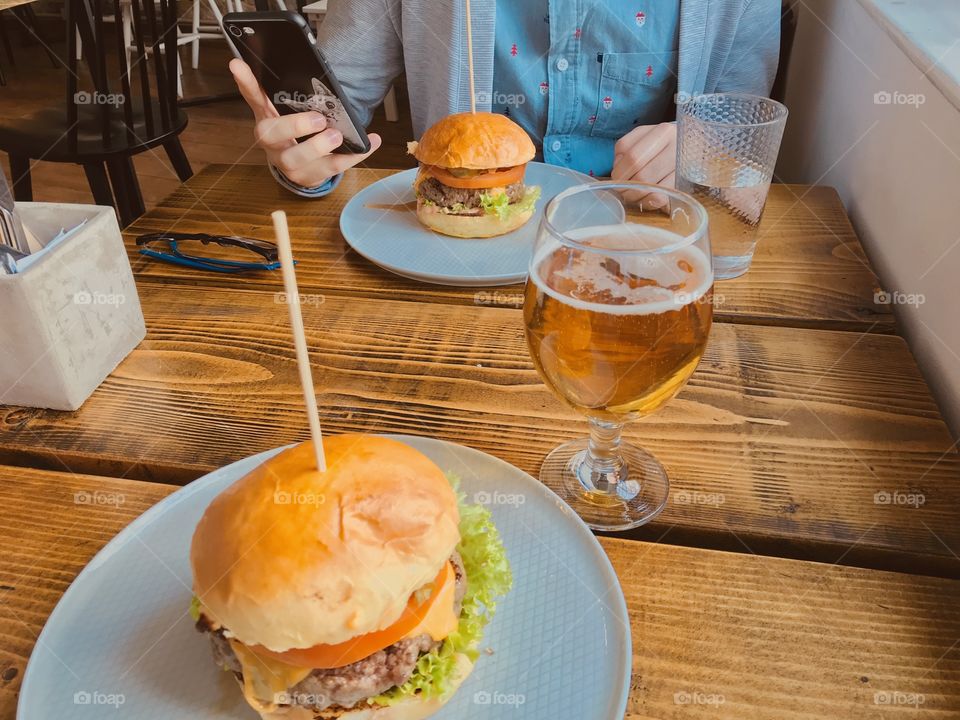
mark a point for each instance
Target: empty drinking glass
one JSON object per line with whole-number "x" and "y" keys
{"x": 727, "y": 148}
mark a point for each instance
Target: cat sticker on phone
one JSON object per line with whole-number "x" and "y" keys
{"x": 323, "y": 101}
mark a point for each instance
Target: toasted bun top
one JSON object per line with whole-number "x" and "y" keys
{"x": 289, "y": 557}
{"x": 478, "y": 141}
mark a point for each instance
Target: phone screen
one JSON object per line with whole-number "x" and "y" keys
{"x": 291, "y": 72}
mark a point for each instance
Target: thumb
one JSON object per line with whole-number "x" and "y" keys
{"x": 375, "y": 142}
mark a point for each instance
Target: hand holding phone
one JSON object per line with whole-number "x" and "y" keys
{"x": 309, "y": 163}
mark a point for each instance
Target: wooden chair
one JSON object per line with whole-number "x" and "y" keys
{"x": 111, "y": 112}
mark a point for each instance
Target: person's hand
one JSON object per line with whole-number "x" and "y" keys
{"x": 310, "y": 163}
{"x": 648, "y": 154}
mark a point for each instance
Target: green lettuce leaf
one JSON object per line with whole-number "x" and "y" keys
{"x": 495, "y": 204}
{"x": 488, "y": 578}
{"x": 501, "y": 206}
{"x": 195, "y": 608}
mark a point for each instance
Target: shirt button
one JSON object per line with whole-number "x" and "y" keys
{"x": 562, "y": 64}
{"x": 556, "y": 145}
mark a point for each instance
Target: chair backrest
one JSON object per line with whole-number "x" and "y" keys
{"x": 144, "y": 97}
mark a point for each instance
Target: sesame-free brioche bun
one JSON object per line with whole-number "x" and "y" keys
{"x": 469, "y": 226}
{"x": 477, "y": 141}
{"x": 289, "y": 557}
{"x": 412, "y": 708}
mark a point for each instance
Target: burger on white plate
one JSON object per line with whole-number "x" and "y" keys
{"x": 470, "y": 182}
{"x": 356, "y": 593}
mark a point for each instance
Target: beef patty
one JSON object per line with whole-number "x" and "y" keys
{"x": 345, "y": 686}
{"x": 445, "y": 196}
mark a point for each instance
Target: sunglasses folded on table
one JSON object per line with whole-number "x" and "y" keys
{"x": 186, "y": 249}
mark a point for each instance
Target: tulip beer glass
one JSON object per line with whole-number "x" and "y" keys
{"x": 617, "y": 309}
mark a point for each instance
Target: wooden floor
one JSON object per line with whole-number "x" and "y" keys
{"x": 221, "y": 132}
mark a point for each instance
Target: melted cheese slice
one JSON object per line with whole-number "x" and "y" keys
{"x": 440, "y": 620}
{"x": 265, "y": 678}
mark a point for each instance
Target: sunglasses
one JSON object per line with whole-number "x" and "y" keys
{"x": 175, "y": 248}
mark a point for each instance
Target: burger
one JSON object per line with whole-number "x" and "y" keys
{"x": 470, "y": 182}
{"x": 359, "y": 592}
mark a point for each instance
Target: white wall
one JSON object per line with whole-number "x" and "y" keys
{"x": 897, "y": 168}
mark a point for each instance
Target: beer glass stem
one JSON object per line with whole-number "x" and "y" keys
{"x": 603, "y": 466}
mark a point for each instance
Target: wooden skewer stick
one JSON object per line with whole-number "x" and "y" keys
{"x": 299, "y": 334}
{"x": 473, "y": 94}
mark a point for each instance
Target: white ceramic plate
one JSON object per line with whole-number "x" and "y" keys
{"x": 120, "y": 643}
{"x": 395, "y": 240}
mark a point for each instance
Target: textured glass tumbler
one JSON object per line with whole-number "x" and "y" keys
{"x": 727, "y": 148}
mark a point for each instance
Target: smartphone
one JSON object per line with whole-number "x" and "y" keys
{"x": 284, "y": 57}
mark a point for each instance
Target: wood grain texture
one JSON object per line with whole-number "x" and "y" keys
{"x": 715, "y": 635}
{"x": 9, "y": 4}
{"x": 780, "y": 443}
{"x": 51, "y": 525}
{"x": 809, "y": 271}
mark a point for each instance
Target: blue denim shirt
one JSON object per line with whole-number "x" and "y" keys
{"x": 577, "y": 76}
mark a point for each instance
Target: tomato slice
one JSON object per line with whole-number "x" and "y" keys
{"x": 483, "y": 179}
{"x": 345, "y": 653}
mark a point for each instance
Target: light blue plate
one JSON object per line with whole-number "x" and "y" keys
{"x": 120, "y": 643}
{"x": 395, "y": 240}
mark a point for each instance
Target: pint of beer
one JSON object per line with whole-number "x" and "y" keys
{"x": 617, "y": 310}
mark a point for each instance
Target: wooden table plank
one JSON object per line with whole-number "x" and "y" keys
{"x": 783, "y": 442}
{"x": 809, "y": 271}
{"x": 770, "y": 638}
{"x": 10, "y": 4}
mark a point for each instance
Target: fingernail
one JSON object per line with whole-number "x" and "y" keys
{"x": 336, "y": 136}
{"x": 319, "y": 121}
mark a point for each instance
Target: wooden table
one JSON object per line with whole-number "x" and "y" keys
{"x": 216, "y": 380}
{"x": 715, "y": 635}
{"x": 806, "y": 434}
{"x": 809, "y": 270}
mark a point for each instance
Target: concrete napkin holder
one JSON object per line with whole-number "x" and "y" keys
{"x": 71, "y": 315}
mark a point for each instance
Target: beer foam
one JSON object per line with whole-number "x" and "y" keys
{"x": 593, "y": 273}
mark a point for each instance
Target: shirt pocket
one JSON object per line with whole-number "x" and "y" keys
{"x": 636, "y": 88}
